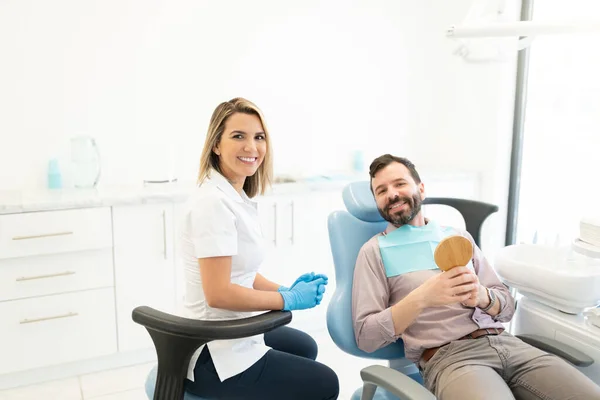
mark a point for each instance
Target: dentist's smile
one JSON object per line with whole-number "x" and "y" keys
{"x": 248, "y": 160}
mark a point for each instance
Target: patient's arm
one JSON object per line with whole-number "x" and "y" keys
{"x": 505, "y": 309}
{"x": 371, "y": 313}
{"x": 485, "y": 300}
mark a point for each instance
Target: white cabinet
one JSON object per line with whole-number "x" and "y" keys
{"x": 52, "y": 330}
{"x": 277, "y": 216}
{"x": 296, "y": 231}
{"x": 144, "y": 267}
{"x": 52, "y": 232}
{"x": 178, "y": 219}
{"x": 295, "y": 227}
{"x": 312, "y": 253}
{"x": 56, "y": 288}
{"x": 27, "y": 277}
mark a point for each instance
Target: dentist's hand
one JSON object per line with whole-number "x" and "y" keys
{"x": 311, "y": 276}
{"x": 308, "y": 277}
{"x": 304, "y": 295}
{"x": 321, "y": 292}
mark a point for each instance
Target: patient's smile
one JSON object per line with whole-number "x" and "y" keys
{"x": 397, "y": 205}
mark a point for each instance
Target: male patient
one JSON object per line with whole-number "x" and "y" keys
{"x": 450, "y": 322}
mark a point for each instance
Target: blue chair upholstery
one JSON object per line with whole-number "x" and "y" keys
{"x": 348, "y": 231}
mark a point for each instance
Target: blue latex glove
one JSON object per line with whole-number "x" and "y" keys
{"x": 321, "y": 287}
{"x": 320, "y": 292}
{"x": 308, "y": 277}
{"x": 304, "y": 295}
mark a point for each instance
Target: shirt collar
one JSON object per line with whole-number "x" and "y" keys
{"x": 226, "y": 187}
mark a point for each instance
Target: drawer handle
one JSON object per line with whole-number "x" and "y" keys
{"x": 31, "y": 321}
{"x": 164, "y": 221}
{"x": 30, "y": 278}
{"x": 275, "y": 224}
{"x": 42, "y": 235}
{"x": 292, "y": 212}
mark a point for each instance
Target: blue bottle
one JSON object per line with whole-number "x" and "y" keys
{"x": 54, "y": 175}
{"x": 358, "y": 162}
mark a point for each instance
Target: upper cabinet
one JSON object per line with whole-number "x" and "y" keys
{"x": 144, "y": 267}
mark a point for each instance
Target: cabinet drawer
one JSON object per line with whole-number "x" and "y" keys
{"x": 57, "y": 329}
{"x": 51, "y": 232}
{"x": 55, "y": 273}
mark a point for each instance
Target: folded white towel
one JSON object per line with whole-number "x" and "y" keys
{"x": 589, "y": 230}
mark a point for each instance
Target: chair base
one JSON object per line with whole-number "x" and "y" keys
{"x": 151, "y": 384}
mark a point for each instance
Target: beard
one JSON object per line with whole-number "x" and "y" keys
{"x": 404, "y": 216}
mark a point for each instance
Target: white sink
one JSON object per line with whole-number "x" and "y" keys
{"x": 558, "y": 277}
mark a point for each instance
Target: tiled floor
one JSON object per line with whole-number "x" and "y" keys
{"x": 127, "y": 383}
{"x": 118, "y": 384}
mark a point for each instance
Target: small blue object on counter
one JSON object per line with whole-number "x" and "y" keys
{"x": 54, "y": 175}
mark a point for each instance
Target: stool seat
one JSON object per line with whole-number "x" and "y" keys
{"x": 151, "y": 384}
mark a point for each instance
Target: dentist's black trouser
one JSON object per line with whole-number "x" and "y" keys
{"x": 287, "y": 371}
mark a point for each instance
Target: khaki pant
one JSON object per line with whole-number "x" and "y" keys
{"x": 503, "y": 367}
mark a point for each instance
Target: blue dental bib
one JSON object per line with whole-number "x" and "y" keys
{"x": 411, "y": 248}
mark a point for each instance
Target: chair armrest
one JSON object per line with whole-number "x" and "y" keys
{"x": 176, "y": 338}
{"x": 394, "y": 382}
{"x": 209, "y": 330}
{"x": 557, "y": 348}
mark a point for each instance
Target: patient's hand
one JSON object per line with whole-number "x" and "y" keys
{"x": 449, "y": 287}
{"x": 476, "y": 293}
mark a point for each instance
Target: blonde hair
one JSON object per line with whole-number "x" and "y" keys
{"x": 261, "y": 180}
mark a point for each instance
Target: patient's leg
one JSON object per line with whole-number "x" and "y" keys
{"x": 473, "y": 382}
{"x": 467, "y": 370}
{"x": 551, "y": 378}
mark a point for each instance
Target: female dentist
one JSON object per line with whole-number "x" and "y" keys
{"x": 222, "y": 249}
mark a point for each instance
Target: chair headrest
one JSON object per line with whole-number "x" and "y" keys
{"x": 359, "y": 202}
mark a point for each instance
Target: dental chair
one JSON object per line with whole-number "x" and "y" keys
{"x": 348, "y": 231}
{"x": 176, "y": 339}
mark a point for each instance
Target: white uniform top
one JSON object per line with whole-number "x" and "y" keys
{"x": 218, "y": 221}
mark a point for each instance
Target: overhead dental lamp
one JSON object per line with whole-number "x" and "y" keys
{"x": 521, "y": 28}
{"x": 488, "y": 32}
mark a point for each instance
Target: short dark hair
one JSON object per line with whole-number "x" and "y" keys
{"x": 383, "y": 161}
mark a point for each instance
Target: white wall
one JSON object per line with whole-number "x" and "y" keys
{"x": 143, "y": 77}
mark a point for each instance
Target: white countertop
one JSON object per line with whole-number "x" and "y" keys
{"x": 12, "y": 202}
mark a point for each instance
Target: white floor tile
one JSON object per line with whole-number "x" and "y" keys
{"x": 137, "y": 394}
{"x": 114, "y": 381}
{"x": 67, "y": 389}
